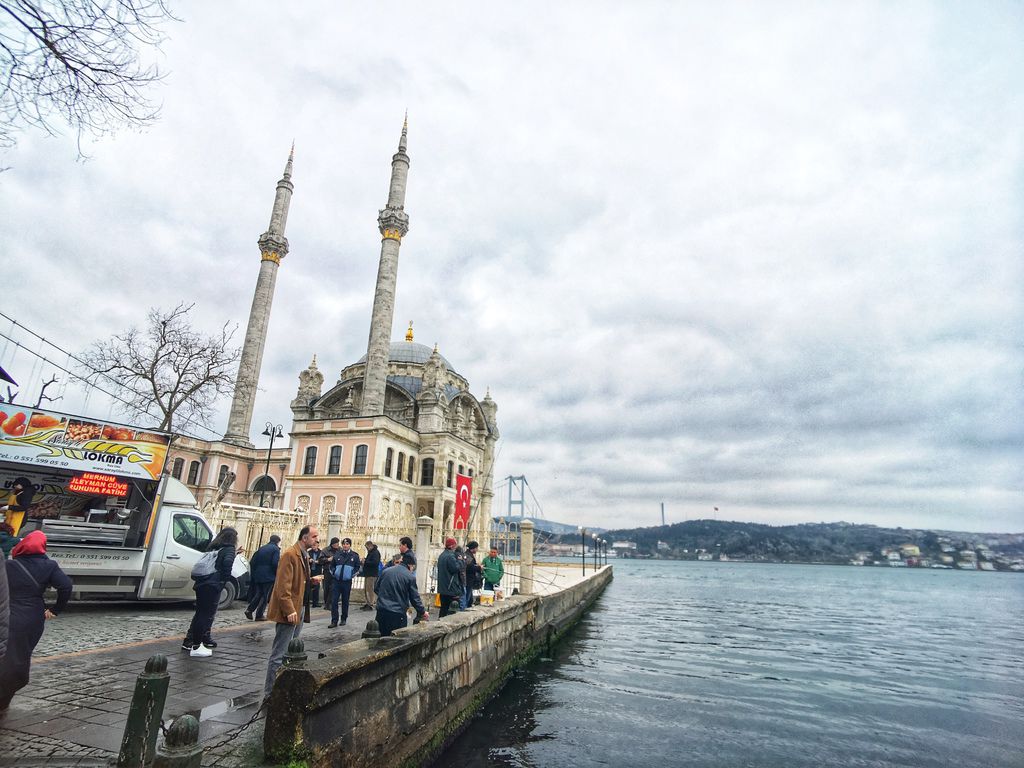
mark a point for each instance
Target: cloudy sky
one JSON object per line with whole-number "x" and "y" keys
{"x": 765, "y": 257}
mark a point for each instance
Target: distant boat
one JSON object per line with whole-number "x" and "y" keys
{"x": 943, "y": 567}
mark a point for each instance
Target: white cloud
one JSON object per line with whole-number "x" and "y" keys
{"x": 766, "y": 258}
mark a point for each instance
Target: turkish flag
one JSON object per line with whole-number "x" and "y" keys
{"x": 463, "y": 494}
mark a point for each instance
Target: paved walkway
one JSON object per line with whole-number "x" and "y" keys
{"x": 73, "y": 711}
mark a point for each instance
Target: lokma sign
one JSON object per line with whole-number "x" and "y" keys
{"x": 59, "y": 440}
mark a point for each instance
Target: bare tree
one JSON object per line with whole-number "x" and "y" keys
{"x": 77, "y": 60}
{"x": 45, "y": 397}
{"x": 168, "y": 367}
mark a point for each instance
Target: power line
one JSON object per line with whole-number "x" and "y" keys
{"x": 79, "y": 377}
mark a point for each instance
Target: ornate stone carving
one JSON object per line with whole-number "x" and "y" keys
{"x": 354, "y": 514}
{"x": 328, "y": 505}
{"x": 311, "y": 382}
{"x": 303, "y": 503}
{"x": 393, "y": 223}
{"x": 274, "y": 247}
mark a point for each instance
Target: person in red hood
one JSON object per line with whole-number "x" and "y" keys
{"x": 29, "y": 573}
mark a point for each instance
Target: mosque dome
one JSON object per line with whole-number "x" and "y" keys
{"x": 410, "y": 352}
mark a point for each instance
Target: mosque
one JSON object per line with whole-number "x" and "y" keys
{"x": 392, "y": 440}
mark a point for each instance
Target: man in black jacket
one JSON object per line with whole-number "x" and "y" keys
{"x": 263, "y": 569}
{"x": 474, "y": 573}
{"x": 371, "y": 565}
{"x": 449, "y": 581}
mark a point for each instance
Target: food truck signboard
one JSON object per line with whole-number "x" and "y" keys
{"x": 51, "y": 439}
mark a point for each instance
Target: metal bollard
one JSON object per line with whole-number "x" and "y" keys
{"x": 372, "y": 631}
{"x": 181, "y": 747}
{"x": 296, "y": 653}
{"x": 143, "y": 726}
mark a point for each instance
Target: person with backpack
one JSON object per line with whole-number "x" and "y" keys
{"x": 371, "y": 569}
{"x": 344, "y": 567}
{"x": 210, "y": 575}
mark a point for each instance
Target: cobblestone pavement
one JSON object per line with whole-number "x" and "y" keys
{"x": 74, "y": 709}
{"x": 85, "y": 626}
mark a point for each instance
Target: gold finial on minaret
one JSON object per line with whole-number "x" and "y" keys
{"x": 435, "y": 347}
{"x": 408, "y": 333}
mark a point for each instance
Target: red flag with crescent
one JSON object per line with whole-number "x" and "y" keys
{"x": 463, "y": 496}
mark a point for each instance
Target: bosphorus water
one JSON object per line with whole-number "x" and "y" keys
{"x": 734, "y": 664}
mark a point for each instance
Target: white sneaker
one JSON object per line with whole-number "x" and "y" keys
{"x": 202, "y": 650}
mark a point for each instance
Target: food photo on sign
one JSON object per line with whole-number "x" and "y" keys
{"x": 48, "y": 438}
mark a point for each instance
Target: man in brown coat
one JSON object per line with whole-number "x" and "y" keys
{"x": 289, "y": 602}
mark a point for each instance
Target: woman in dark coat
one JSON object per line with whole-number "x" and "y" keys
{"x": 208, "y": 587}
{"x": 29, "y": 573}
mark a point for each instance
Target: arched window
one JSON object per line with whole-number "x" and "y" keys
{"x": 193, "y": 473}
{"x": 427, "y": 472}
{"x": 359, "y": 465}
{"x": 264, "y": 484}
{"x": 462, "y": 470}
{"x": 412, "y": 470}
{"x": 401, "y": 466}
{"x": 451, "y": 473}
{"x": 179, "y": 466}
{"x": 388, "y": 461}
{"x": 309, "y": 467}
{"x": 334, "y": 466}
{"x": 470, "y": 471}
{"x": 224, "y": 469}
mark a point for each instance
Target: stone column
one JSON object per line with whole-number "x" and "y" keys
{"x": 423, "y": 525}
{"x": 334, "y": 523}
{"x": 526, "y": 581}
{"x": 393, "y": 223}
{"x": 273, "y": 247}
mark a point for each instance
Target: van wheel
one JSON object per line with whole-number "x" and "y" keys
{"x": 228, "y": 595}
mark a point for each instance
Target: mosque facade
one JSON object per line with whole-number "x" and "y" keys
{"x": 395, "y": 438}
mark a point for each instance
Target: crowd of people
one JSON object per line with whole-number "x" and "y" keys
{"x": 285, "y": 585}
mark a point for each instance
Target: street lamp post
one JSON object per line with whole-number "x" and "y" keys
{"x": 604, "y": 551}
{"x": 583, "y": 547}
{"x": 594, "y": 537}
{"x": 271, "y": 431}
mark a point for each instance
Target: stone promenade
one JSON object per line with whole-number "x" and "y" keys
{"x": 73, "y": 711}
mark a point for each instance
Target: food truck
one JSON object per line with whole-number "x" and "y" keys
{"x": 116, "y": 524}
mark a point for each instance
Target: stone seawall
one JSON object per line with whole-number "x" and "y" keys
{"x": 398, "y": 700}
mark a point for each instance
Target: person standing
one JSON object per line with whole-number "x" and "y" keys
{"x": 289, "y": 601}
{"x": 449, "y": 585}
{"x": 210, "y": 579}
{"x": 5, "y": 606}
{"x": 493, "y": 569}
{"x": 29, "y": 573}
{"x": 460, "y": 556}
{"x": 325, "y": 561}
{"x": 396, "y": 592}
{"x": 371, "y": 569}
{"x": 474, "y": 580}
{"x": 344, "y": 567}
{"x": 17, "y": 505}
{"x": 263, "y": 568}
{"x": 316, "y": 568}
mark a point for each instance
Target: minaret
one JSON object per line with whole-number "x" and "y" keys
{"x": 393, "y": 223}
{"x": 273, "y": 247}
